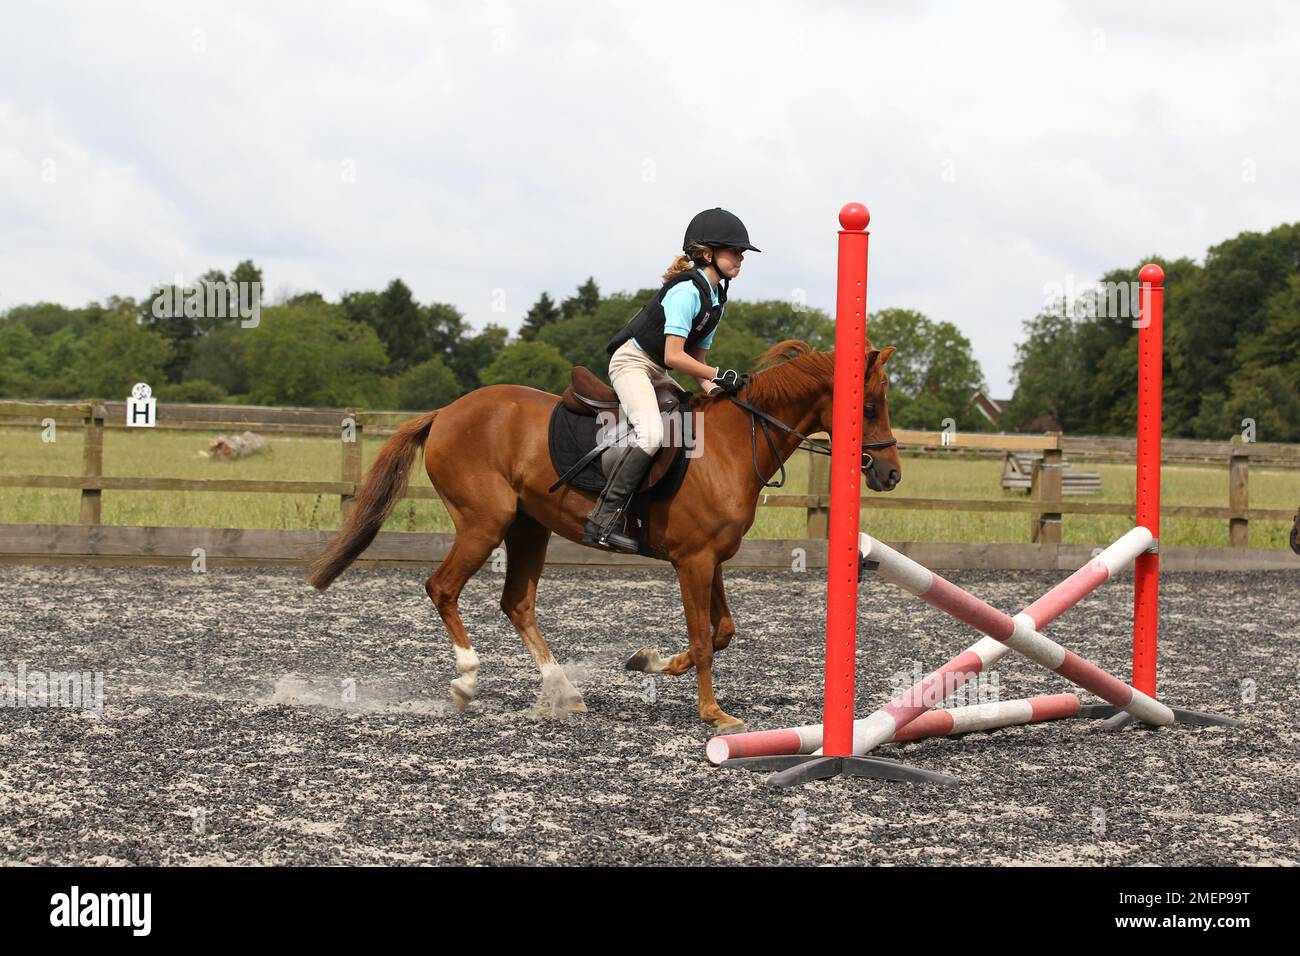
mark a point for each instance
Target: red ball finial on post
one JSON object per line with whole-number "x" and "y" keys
{"x": 1151, "y": 274}
{"x": 854, "y": 217}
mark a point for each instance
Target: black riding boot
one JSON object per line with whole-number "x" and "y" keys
{"x": 604, "y": 524}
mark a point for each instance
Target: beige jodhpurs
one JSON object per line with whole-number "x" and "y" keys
{"x": 634, "y": 376}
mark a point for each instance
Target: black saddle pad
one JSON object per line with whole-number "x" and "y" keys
{"x": 571, "y": 436}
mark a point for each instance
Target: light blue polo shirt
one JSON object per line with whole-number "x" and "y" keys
{"x": 681, "y": 306}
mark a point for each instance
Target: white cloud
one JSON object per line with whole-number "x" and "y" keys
{"x": 523, "y": 146}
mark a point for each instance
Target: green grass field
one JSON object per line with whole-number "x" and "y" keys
{"x": 145, "y": 453}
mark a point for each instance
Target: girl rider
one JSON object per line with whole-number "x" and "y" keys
{"x": 674, "y": 330}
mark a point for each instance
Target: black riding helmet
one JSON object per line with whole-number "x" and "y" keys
{"x": 717, "y": 228}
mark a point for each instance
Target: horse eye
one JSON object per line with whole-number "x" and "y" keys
{"x": 870, "y": 410}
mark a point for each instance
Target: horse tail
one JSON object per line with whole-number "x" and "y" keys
{"x": 384, "y": 484}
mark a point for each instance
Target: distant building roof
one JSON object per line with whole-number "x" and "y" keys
{"x": 990, "y": 408}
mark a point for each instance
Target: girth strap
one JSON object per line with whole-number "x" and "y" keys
{"x": 582, "y": 463}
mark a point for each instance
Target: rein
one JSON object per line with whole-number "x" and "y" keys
{"x": 759, "y": 417}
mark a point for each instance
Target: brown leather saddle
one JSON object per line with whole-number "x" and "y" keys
{"x": 587, "y": 395}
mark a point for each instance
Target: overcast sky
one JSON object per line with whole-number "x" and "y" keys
{"x": 486, "y": 152}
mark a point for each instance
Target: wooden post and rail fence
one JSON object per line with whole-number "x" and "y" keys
{"x": 1045, "y": 508}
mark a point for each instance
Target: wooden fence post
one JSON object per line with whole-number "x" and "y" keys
{"x": 1239, "y": 496}
{"x": 819, "y": 483}
{"x": 92, "y": 463}
{"x": 351, "y": 464}
{"x": 1045, "y": 527}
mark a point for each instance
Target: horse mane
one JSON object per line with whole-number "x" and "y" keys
{"x": 785, "y": 371}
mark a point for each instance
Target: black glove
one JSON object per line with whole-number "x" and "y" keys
{"x": 729, "y": 380}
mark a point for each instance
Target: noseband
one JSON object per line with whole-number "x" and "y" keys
{"x": 761, "y": 418}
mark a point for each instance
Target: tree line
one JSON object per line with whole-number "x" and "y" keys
{"x": 385, "y": 350}
{"x": 1232, "y": 345}
{"x": 1232, "y": 350}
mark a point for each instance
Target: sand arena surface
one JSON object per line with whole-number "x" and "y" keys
{"x": 249, "y": 719}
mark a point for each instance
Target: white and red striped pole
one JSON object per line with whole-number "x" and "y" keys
{"x": 912, "y": 703}
{"x": 1019, "y": 632}
{"x": 991, "y": 716}
{"x": 943, "y": 722}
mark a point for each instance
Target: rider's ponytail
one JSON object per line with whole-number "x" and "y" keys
{"x": 684, "y": 263}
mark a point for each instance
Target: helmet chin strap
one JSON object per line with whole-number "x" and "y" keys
{"x": 722, "y": 280}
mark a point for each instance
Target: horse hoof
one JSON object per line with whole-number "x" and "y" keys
{"x": 645, "y": 660}
{"x": 460, "y": 697}
{"x": 559, "y": 696}
{"x": 726, "y": 724}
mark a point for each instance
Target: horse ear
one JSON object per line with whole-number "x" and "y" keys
{"x": 879, "y": 357}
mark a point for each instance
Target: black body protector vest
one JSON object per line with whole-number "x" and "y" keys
{"x": 647, "y": 326}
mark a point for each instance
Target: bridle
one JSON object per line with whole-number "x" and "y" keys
{"x": 818, "y": 447}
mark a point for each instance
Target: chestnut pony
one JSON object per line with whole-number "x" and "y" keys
{"x": 486, "y": 454}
